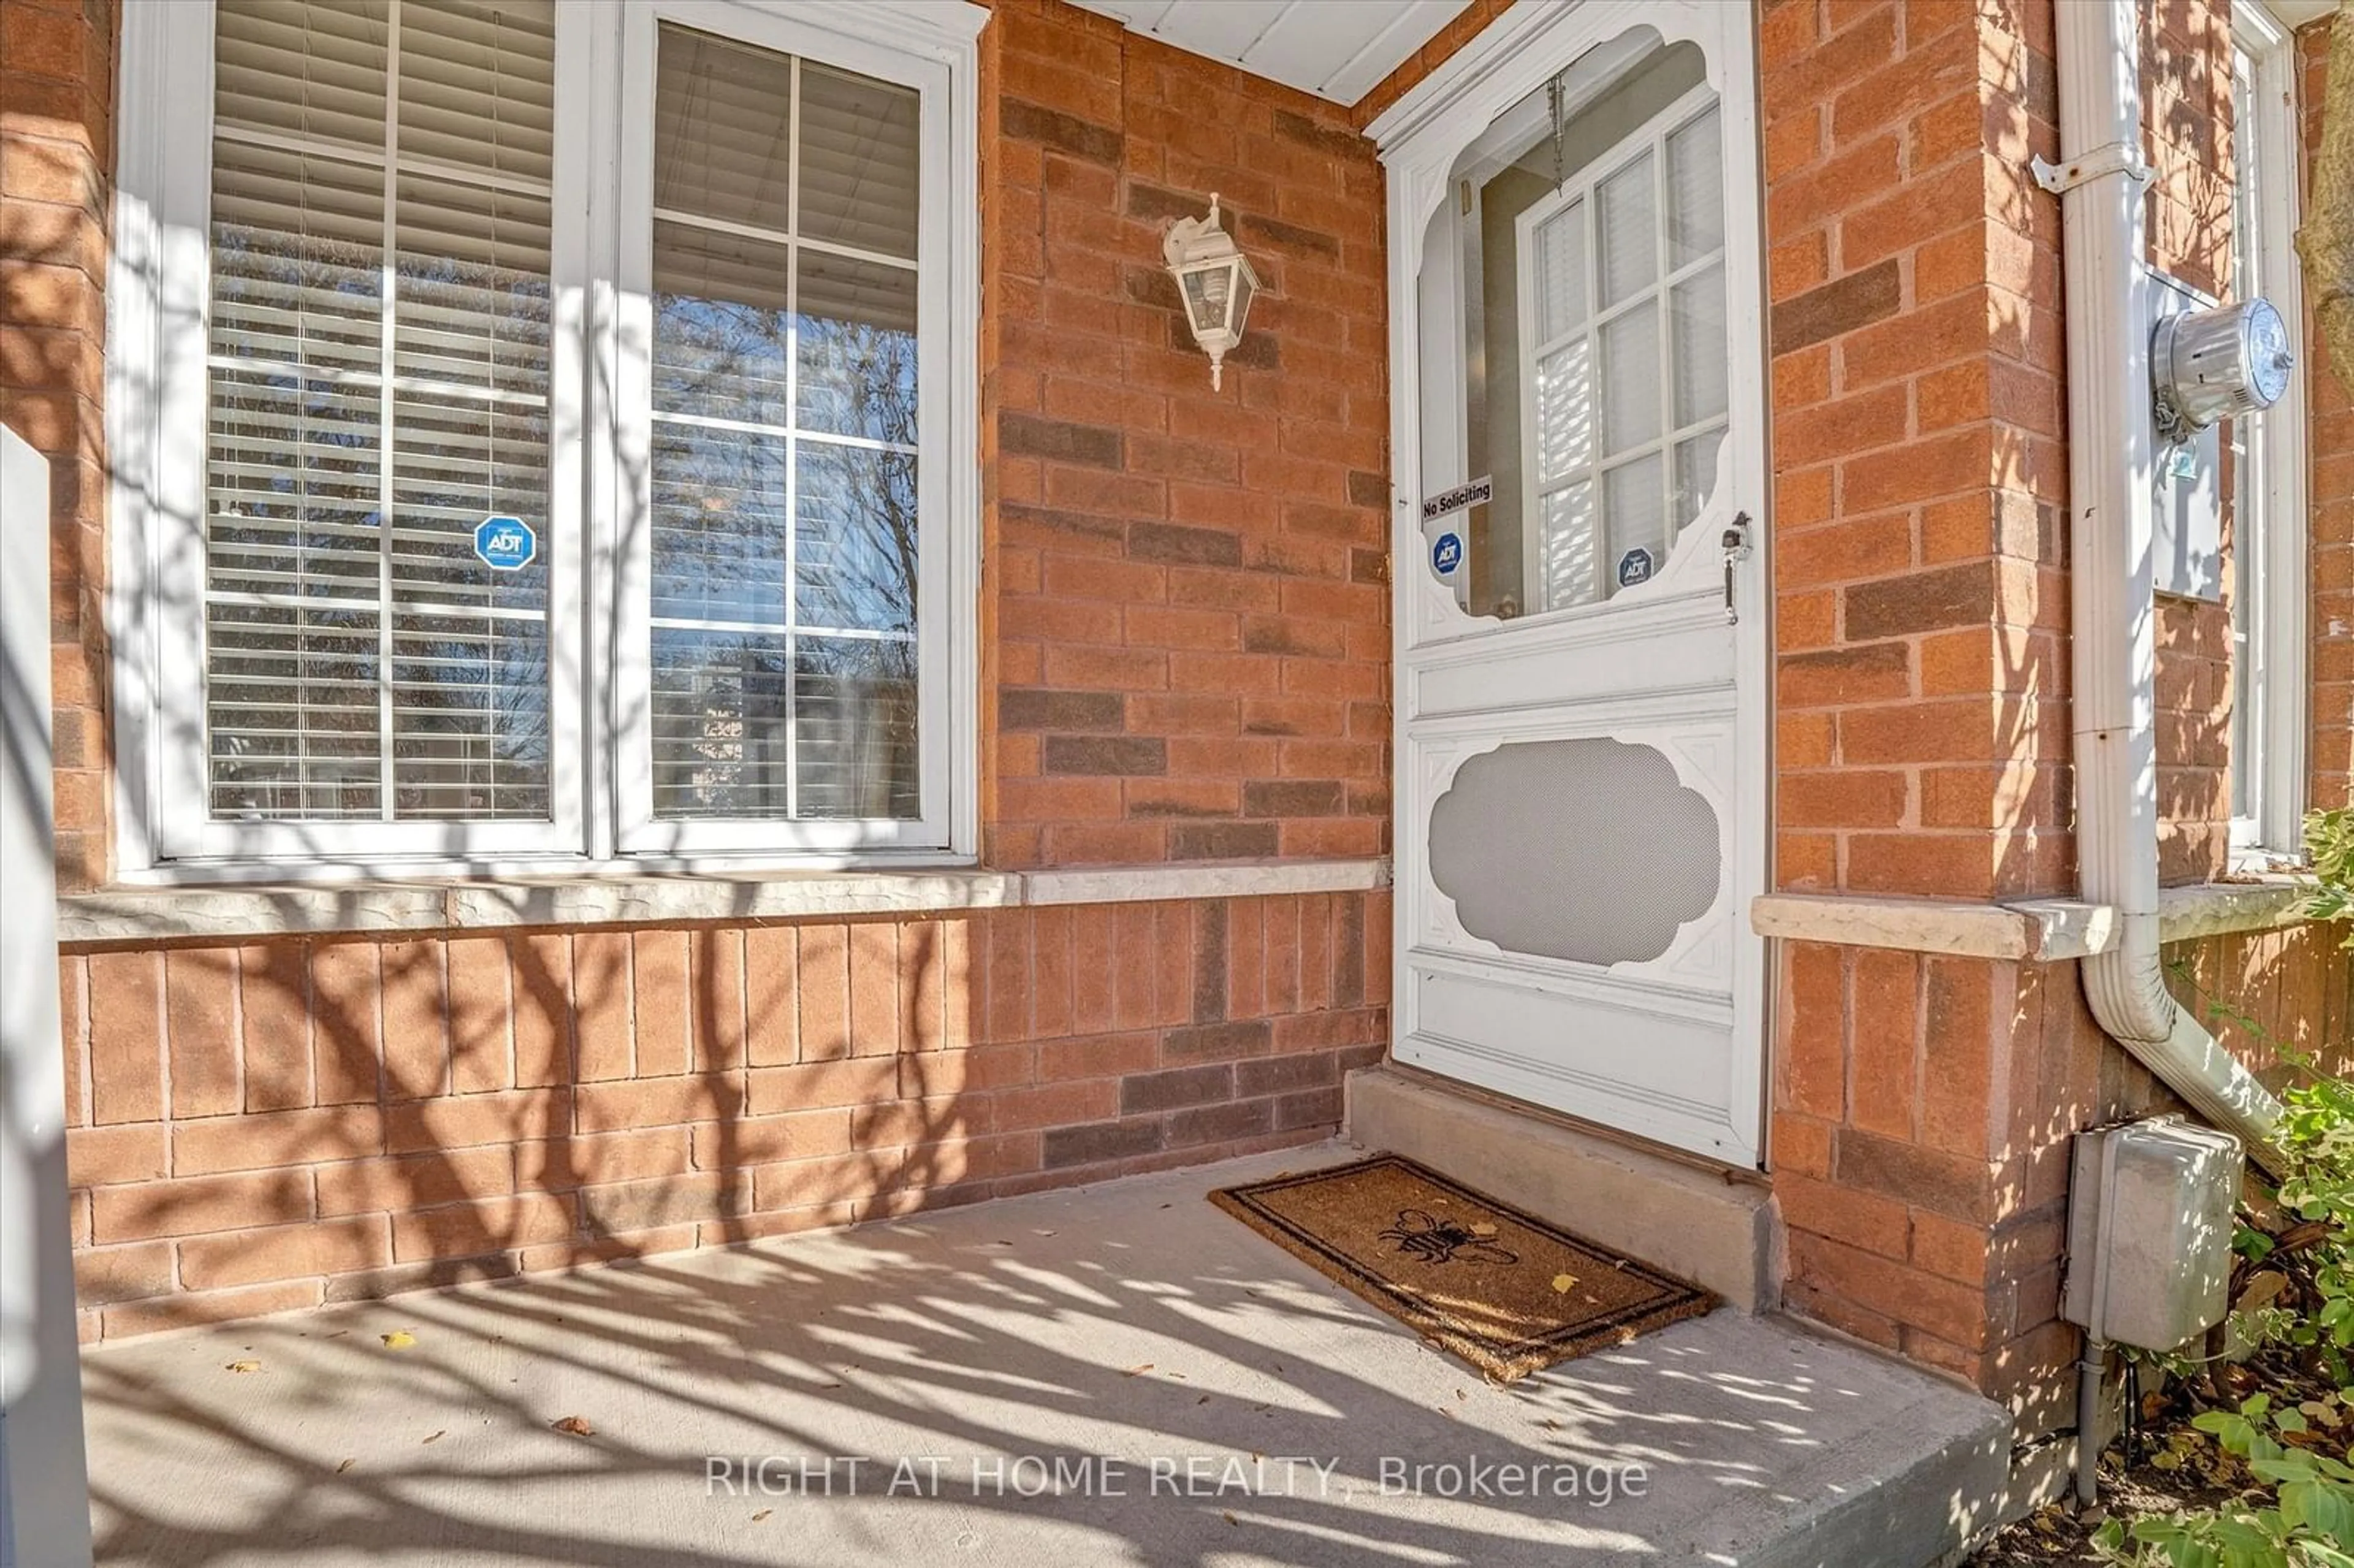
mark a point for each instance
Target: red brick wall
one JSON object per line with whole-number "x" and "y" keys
{"x": 270, "y": 1125}
{"x": 2187, "y": 113}
{"x": 1924, "y": 1103}
{"x": 1188, "y": 587}
{"x": 57, "y": 141}
{"x": 1917, "y": 356}
{"x": 1184, "y": 657}
{"x": 1917, "y": 413}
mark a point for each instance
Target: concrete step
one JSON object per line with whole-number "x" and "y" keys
{"x": 1713, "y": 1227}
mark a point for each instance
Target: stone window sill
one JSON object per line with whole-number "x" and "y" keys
{"x": 2037, "y": 929}
{"x": 134, "y": 915}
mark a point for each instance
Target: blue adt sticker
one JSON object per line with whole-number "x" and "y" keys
{"x": 1634, "y": 567}
{"x": 1447, "y": 553}
{"x": 505, "y": 544}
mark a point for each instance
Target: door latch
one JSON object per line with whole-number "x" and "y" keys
{"x": 1736, "y": 549}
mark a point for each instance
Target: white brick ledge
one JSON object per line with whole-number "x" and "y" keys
{"x": 2034, "y": 929}
{"x": 182, "y": 913}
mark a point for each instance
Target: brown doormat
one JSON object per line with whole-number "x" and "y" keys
{"x": 1503, "y": 1289}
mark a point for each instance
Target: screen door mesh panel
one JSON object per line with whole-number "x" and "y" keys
{"x": 1587, "y": 851}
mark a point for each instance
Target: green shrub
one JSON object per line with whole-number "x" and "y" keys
{"x": 2300, "y": 1514}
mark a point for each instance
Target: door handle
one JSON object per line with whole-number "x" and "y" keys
{"x": 1736, "y": 549}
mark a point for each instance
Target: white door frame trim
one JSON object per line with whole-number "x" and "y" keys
{"x": 1419, "y": 139}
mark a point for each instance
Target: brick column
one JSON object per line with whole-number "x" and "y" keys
{"x": 1923, "y": 1104}
{"x": 1920, "y": 1102}
{"x": 57, "y": 86}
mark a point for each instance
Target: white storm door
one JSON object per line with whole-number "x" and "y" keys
{"x": 1580, "y": 610}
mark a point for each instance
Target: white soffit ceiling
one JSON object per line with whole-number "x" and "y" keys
{"x": 1338, "y": 49}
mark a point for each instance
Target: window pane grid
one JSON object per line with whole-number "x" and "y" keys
{"x": 781, "y": 627}
{"x": 779, "y": 237}
{"x": 1634, "y": 366}
{"x": 379, "y": 367}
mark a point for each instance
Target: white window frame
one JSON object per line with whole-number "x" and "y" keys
{"x": 2273, "y": 446}
{"x": 638, "y": 828}
{"x": 1650, "y": 138}
{"x": 158, "y": 291}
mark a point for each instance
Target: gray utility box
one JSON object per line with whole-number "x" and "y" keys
{"x": 2149, "y": 1232}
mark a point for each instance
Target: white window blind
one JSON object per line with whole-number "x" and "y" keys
{"x": 782, "y": 631}
{"x": 377, "y": 387}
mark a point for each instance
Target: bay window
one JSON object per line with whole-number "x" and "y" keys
{"x": 540, "y": 433}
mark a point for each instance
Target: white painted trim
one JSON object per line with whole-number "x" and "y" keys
{"x": 1325, "y": 72}
{"x": 157, "y": 366}
{"x": 216, "y": 914}
{"x": 2282, "y": 692}
{"x": 2296, "y": 14}
{"x": 2033, "y": 930}
{"x": 943, "y": 68}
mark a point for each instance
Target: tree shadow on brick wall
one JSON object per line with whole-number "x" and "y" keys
{"x": 451, "y": 1125}
{"x": 401, "y": 1073}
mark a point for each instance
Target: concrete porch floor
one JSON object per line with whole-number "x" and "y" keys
{"x": 1130, "y": 1331}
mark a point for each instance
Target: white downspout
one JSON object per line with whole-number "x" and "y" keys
{"x": 2113, "y": 646}
{"x": 2112, "y": 453}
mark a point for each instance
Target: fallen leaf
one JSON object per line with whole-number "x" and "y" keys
{"x": 346, "y": 1466}
{"x": 398, "y": 1339}
{"x": 1563, "y": 1284}
{"x": 437, "y": 1437}
{"x": 762, "y": 1514}
{"x": 245, "y": 1366}
{"x": 573, "y": 1427}
{"x": 1233, "y": 1520}
{"x": 1140, "y": 1367}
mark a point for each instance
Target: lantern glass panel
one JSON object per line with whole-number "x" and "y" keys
{"x": 1209, "y": 297}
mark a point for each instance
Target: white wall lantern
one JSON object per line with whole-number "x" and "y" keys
{"x": 1216, "y": 280}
